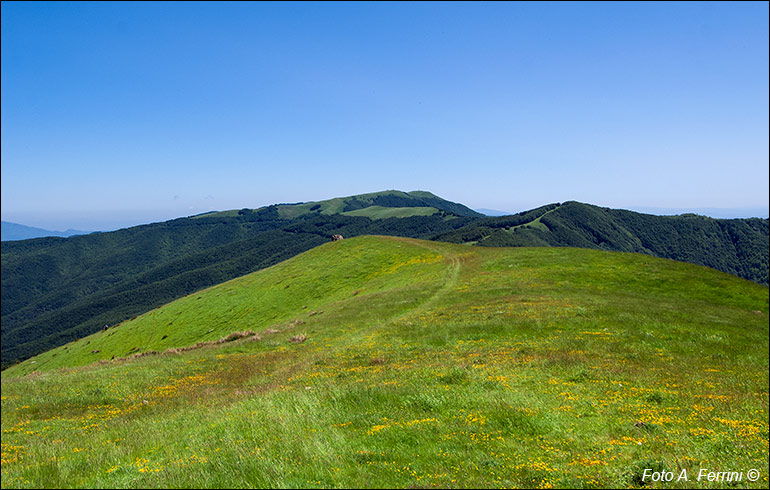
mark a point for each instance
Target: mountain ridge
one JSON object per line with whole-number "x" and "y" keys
{"x": 741, "y": 243}
{"x": 360, "y": 202}
{"x": 55, "y": 290}
{"x": 15, "y": 231}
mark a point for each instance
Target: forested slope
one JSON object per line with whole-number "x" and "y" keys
{"x": 736, "y": 246}
{"x": 56, "y": 290}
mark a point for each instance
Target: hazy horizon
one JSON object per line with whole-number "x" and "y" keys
{"x": 111, "y": 223}
{"x": 116, "y": 114}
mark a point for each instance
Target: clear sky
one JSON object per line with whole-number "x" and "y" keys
{"x": 122, "y": 113}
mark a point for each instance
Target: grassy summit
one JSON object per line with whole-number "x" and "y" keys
{"x": 394, "y": 362}
{"x": 373, "y": 204}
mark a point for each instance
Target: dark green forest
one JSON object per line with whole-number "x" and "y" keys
{"x": 55, "y": 290}
{"x": 736, "y": 246}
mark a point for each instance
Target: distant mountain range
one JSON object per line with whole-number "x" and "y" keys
{"x": 720, "y": 213}
{"x": 55, "y": 290}
{"x": 492, "y": 212}
{"x": 15, "y": 231}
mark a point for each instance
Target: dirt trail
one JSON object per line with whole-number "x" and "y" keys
{"x": 453, "y": 272}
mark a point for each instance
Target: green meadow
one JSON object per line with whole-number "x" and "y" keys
{"x": 394, "y": 362}
{"x": 380, "y": 212}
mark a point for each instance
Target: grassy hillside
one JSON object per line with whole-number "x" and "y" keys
{"x": 380, "y": 212}
{"x": 736, "y": 246}
{"x": 393, "y": 362}
{"x": 56, "y": 290}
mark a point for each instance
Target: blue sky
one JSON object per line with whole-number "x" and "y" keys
{"x": 122, "y": 113}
